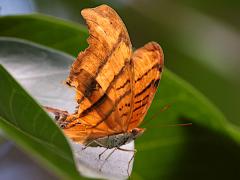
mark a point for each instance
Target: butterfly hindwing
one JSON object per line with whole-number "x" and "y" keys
{"x": 148, "y": 63}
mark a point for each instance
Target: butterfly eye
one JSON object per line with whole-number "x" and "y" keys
{"x": 134, "y": 132}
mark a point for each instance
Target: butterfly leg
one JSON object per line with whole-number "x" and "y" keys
{"x": 129, "y": 150}
{"x": 99, "y": 156}
{"x": 130, "y": 163}
{"x": 107, "y": 158}
{"x": 88, "y": 144}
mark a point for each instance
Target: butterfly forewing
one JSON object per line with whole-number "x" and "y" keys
{"x": 103, "y": 77}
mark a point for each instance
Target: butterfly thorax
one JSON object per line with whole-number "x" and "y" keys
{"x": 117, "y": 140}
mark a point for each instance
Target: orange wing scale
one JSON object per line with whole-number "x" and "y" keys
{"x": 114, "y": 88}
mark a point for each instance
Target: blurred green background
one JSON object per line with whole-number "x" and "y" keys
{"x": 200, "y": 39}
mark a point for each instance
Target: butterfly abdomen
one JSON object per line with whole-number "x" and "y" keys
{"x": 116, "y": 140}
{"x": 113, "y": 140}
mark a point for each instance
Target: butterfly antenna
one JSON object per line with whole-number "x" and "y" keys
{"x": 174, "y": 125}
{"x": 166, "y": 107}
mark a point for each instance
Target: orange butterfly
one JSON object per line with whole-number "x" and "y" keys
{"x": 114, "y": 86}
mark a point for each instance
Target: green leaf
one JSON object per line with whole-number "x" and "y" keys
{"x": 209, "y": 149}
{"x": 23, "y": 120}
{"x": 49, "y": 31}
{"x": 26, "y": 123}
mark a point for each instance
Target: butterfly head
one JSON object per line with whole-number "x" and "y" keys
{"x": 136, "y": 132}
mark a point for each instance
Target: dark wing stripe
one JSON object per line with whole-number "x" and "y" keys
{"x": 147, "y": 96}
{"x": 95, "y": 105}
{"x": 120, "y": 38}
{"x": 146, "y": 73}
{"x": 103, "y": 98}
{"x": 117, "y": 75}
{"x": 110, "y": 112}
{"x": 126, "y": 82}
{"x": 82, "y": 72}
{"x": 89, "y": 85}
{"x": 135, "y": 109}
{"x": 146, "y": 88}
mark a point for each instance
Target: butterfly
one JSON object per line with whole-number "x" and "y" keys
{"x": 114, "y": 85}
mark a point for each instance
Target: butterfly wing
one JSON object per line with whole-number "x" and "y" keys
{"x": 102, "y": 76}
{"x": 148, "y": 63}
